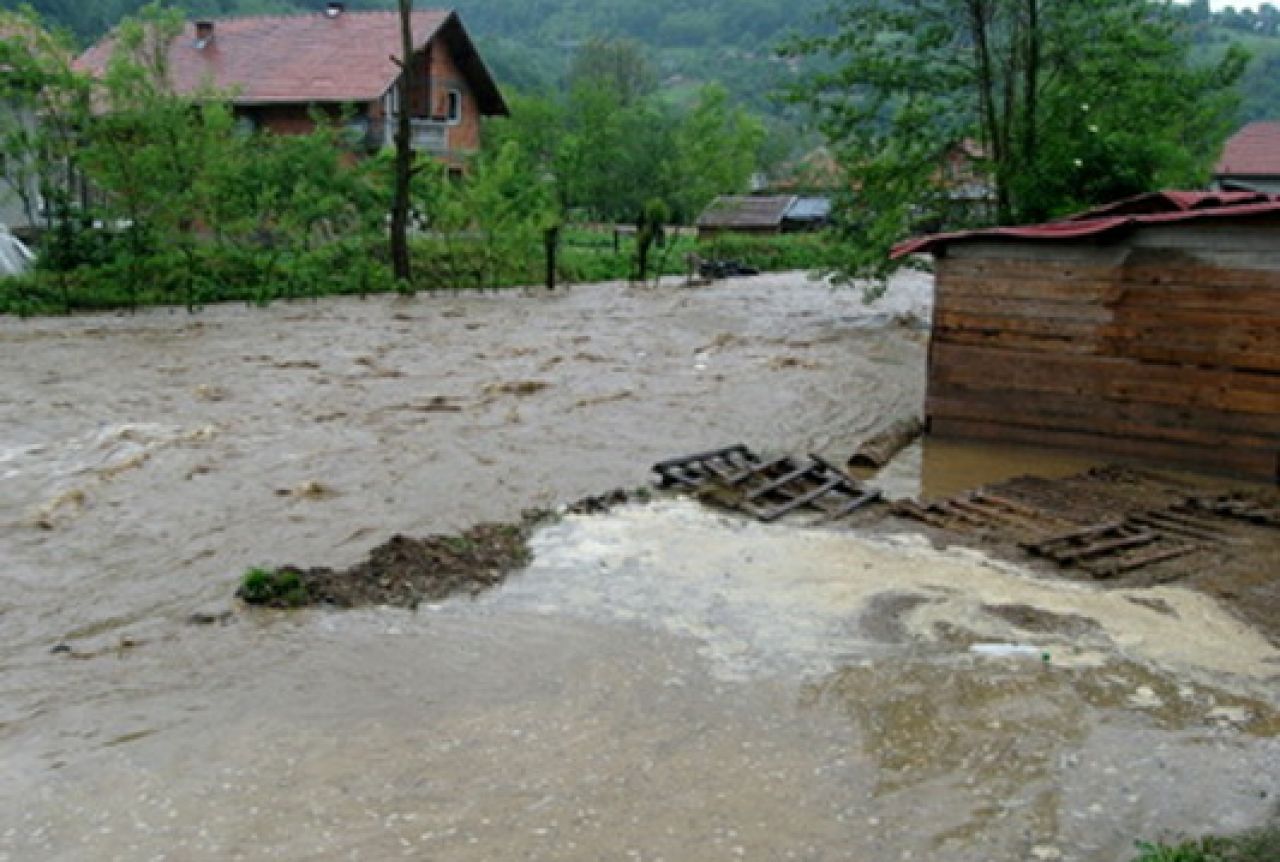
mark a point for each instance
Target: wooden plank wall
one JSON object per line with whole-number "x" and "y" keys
{"x": 1164, "y": 345}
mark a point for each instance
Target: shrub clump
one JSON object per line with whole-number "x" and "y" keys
{"x": 282, "y": 588}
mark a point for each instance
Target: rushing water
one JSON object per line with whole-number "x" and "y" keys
{"x": 661, "y": 683}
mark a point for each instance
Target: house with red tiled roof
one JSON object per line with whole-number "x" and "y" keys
{"x": 1251, "y": 160}
{"x": 277, "y": 70}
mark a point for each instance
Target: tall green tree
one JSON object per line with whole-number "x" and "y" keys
{"x": 1061, "y": 103}
{"x": 619, "y": 65}
{"x": 717, "y": 151}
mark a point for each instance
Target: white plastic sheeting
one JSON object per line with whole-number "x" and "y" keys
{"x": 15, "y": 257}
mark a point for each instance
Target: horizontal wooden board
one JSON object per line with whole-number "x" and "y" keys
{"x": 1030, "y": 343}
{"x": 1103, "y": 377}
{"x": 1031, "y": 308}
{"x": 1052, "y": 327}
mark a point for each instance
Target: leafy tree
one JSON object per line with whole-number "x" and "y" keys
{"x": 618, "y": 65}
{"x": 43, "y": 103}
{"x": 717, "y": 148}
{"x": 908, "y": 82}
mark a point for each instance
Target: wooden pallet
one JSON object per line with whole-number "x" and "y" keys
{"x": 1239, "y": 507}
{"x": 736, "y": 478}
{"x": 986, "y": 513}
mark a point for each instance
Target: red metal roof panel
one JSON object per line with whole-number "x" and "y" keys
{"x": 1088, "y": 225}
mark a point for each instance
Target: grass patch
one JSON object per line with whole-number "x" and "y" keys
{"x": 276, "y": 589}
{"x": 1259, "y": 846}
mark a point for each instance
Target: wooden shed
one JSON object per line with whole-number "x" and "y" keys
{"x": 1149, "y": 328}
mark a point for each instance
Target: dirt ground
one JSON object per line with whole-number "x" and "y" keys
{"x": 1232, "y": 559}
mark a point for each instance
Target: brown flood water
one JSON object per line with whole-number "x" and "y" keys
{"x": 662, "y": 683}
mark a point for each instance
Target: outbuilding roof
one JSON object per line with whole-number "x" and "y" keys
{"x": 746, "y": 211}
{"x": 1167, "y": 207}
{"x": 1254, "y": 151}
{"x": 310, "y": 59}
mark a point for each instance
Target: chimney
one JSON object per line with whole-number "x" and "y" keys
{"x": 204, "y": 33}
{"x": 333, "y": 10}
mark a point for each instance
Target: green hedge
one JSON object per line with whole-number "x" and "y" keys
{"x": 113, "y": 278}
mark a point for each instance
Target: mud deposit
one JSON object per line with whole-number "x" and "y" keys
{"x": 405, "y": 572}
{"x": 660, "y": 682}
{"x": 1235, "y": 561}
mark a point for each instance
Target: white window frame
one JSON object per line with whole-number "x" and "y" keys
{"x": 453, "y": 100}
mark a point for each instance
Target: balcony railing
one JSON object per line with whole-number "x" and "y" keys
{"x": 428, "y": 136}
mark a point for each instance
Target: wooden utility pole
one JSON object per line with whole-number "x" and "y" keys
{"x": 401, "y": 266}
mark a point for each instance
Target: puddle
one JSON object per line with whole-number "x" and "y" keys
{"x": 932, "y": 469}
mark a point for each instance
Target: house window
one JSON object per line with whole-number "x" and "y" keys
{"x": 453, "y": 108}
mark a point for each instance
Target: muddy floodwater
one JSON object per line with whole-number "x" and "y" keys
{"x": 662, "y": 682}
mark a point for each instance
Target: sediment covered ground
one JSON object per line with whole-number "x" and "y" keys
{"x": 661, "y": 682}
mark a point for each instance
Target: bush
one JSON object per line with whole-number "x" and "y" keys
{"x": 779, "y": 253}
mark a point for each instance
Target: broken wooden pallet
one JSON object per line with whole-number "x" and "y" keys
{"x": 1115, "y": 547}
{"x": 985, "y": 512}
{"x": 737, "y": 478}
{"x": 1240, "y": 507}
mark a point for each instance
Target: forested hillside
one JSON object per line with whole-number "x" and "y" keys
{"x": 529, "y": 43}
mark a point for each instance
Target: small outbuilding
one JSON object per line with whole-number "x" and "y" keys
{"x": 764, "y": 214}
{"x": 1148, "y": 328}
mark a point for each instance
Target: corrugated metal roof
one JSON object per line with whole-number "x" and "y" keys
{"x": 1171, "y": 200}
{"x": 313, "y": 58}
{"x": 746, "y": 211}
{"x": 1170, "y": 207}
{"x": 1253, "y": 151}
{"x": 810, "y": 209}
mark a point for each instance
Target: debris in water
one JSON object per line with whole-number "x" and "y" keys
{"x": 1009, "y": 651}
{"x": 519, "y": 388}
{"x": 877, "y": 451}
{"x": 736, "y": 478}
{"x": 404, "y": 572}
{"x": 601, "y": 503}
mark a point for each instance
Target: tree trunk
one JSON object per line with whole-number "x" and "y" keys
{"x": 400, "y": 263}
{"x": 979, "y": 28}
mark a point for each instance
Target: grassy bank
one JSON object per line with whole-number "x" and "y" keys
{"x": 211, "y": 273}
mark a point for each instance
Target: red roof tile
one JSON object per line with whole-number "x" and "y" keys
{"x": 295, "y": 58}
{"x": 1171, "y": 207}
{"x": 1251, "y": 152}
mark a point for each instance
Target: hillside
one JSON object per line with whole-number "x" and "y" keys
{"x": 1260, "y": 87}
{"x": 529, "y": 43}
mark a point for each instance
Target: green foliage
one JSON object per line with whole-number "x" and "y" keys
{"x": 186, "y": 208}
{"x": 1050, "y": 107}
{"x": 278, "y": 589}
{"x": 607, "y": 157}
{"x": 781, "y": 253}
{"x": 1259, "y": 846}
{"x": 618, "y": 65}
